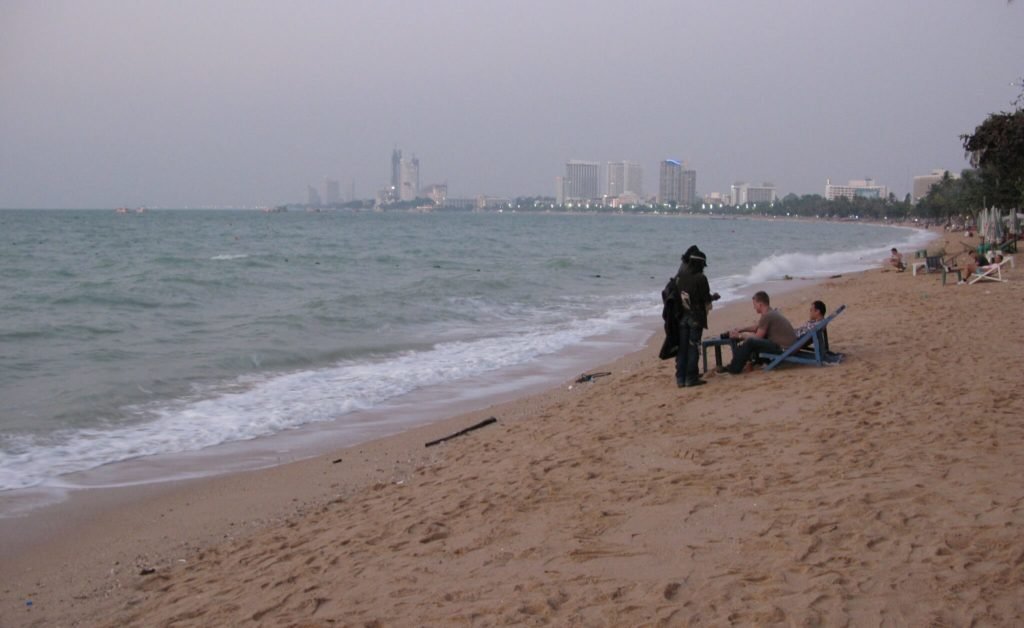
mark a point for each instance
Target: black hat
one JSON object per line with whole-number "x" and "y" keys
{"x": 695, "y": 255}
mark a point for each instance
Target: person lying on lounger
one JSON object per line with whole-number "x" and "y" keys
{"x": 979, "y": 262}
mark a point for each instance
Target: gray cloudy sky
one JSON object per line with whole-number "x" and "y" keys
{"x": 214, "y": 103}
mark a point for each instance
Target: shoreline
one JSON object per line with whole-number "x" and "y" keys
{"x": 46, "y": 527}
{"x": 40, "y": 465}
{"x": 912, "y": 433}
{"x": 122, "y": 484}
{"x": 881, "y": 489}
{"x": 417, "y": 408}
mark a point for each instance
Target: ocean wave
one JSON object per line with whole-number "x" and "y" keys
{"x": 229, "y": 256}
{"x": 253, "y": 406}
{"x": 809, "y": 265}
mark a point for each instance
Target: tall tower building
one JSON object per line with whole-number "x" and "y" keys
{"x": 396, "y": 168}
{"x": 688, "y": 188}
{"x": 625, "y": 177}
{"x": 313, "y": 197}
{"x": 409, "y": 178}
{"x": 670, "y": 182}
{"x": 582, "y": 180}
{"x": 332, "y": 191}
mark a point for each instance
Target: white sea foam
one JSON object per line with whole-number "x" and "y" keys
{"x": 806, "y": 265}
{"x": 255, "y": 406}
{"x": 523, "y": 314}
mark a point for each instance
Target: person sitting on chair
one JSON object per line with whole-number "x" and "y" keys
{"x": 817, "y": 315}
{"x": 772, "y": 333}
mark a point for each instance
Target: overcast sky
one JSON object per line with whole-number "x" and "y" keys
{"x": 213, "y": 103}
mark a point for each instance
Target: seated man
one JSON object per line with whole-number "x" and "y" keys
{"x": 817, "y": 315}
{"x": 896, "y": 260}
{"x": 773, "y": 333}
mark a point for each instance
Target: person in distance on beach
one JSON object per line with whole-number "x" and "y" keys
{"x": 696, "y": 298}
{"x": 772, "y": 332}
{"x": 896, "y": 260}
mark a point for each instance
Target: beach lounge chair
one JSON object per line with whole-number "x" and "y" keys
{"x": 992, "y": 272}
{"x": 810, "y": 348}
{"x": 936, "y": 264}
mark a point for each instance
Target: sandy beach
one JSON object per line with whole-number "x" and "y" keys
{"x": 884, "y": 490}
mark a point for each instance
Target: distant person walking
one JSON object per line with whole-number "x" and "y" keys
{"x": 696, "y": 298}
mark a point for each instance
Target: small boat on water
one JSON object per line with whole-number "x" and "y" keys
{"x": 125, "y": 210}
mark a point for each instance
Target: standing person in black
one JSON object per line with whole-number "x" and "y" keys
{"x": 696, "y": 297}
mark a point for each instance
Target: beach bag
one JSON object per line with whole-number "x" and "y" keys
{"x": 675, "y": 302}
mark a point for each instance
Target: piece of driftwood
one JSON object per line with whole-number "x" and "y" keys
{"x": 589, "y": 377}
{"x": 469, "y": 429}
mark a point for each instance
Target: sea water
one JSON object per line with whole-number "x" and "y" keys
{"x": 124, "y": 337}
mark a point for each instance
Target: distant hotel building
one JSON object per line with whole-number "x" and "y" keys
{"x": 625, "y": 178}
{"x": 689, "y": 188}
{"x": 332, "y": 191}
{"x": 405, "y": 179}
{"x": 437, "y": 192}
{"x": 676, "y": 185}
{"x": 670, "y": 182}
{"x": 743, "y": 193}
{"x": 856, "y": 188}
{"x": 409, "y": 179}
{"x": 313, "y": 197}
{"x": 582, "y": 181}
{"x": 924, "y": 183}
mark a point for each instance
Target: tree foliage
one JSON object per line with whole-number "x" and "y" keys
{"x": 996, "y": 149}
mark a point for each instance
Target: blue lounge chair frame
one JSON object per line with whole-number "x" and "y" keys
{"x": 799, "y": 352}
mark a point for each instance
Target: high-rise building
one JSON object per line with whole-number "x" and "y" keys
{"x": 582, "y": 180}
{"x": 313, "y": 197}
{"x": 625, "y": 178}
{"x": 332, "y": 191}
{"x": 688, "y": 188}
{"x": 863, "y": 188}
{"x": 409, "y": 179}
{"x": 670, "y": 182}
{"x": 396, "y": 168}
{"x": 923, "y": 183}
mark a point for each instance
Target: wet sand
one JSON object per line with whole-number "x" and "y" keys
{"x": 883, "y": 490}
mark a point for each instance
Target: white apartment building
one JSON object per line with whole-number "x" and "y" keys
{"x": 582, "y": 180}
{"x": 924, "y": 183}
{"x": 862, "y": 188}
{"x": 742, "y": 193}
{"x": 625, "y": 177}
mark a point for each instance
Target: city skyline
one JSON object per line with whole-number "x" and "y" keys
{"x": 226, "y": 104}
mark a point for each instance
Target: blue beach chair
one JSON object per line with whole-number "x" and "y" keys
{"x": 811, "y": 348}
